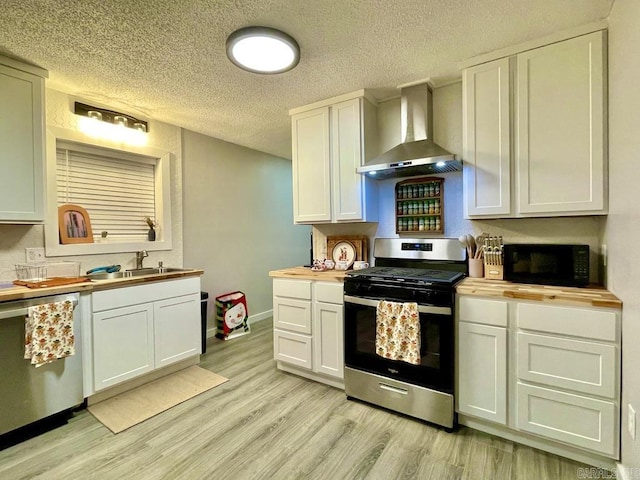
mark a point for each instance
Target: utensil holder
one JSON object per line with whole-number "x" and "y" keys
{"x": 493, "y": 272}
{"x": 476, "y": 267}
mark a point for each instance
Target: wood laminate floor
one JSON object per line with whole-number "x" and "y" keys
{"x": 267, "y": 424}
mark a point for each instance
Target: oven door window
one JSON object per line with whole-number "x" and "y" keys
{"x": 436, "y": 349}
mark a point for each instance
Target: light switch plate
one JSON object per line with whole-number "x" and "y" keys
{"x": 631, "y": 421}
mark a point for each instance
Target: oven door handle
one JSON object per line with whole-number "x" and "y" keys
{"x": 368, "y": 302}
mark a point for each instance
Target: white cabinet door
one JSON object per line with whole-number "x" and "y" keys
{"x": 293, "y": 348}
{"x": 292, "y": 315}
{"x": 560, "y": 151}
{"x": 576, "y": 420}
{"x": 328, "y": 344}
{"x": 487, "y": 139}
{"x": 122, "y": 344}
{"x": 482, "y": 367}
{"x": 21, "y": 147}
{"x": 177, "y": 327}
{"x": 311, "y": 165}
{"x": 346, "y": 150}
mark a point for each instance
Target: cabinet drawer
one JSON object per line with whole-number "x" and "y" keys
{"x": 479, "y": 310}
{"x": 329, "y": 292}
{"x": 573, "y": 419}
{"x": 559, "y": 362}
{"x": 292, "y": 348}
{"x": 578, "y": 322}
{"x": 292, "y": 315}
{"x": 292, "y": 288}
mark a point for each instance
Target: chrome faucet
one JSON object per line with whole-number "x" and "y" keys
{"x": 140, "y": 257}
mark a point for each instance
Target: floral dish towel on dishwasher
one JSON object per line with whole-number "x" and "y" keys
{"x": 49, "y": 332}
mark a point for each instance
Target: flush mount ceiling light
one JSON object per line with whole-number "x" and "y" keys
{"x": 263, "y": 50}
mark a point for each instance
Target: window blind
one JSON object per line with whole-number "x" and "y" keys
{"x": 118, "y": 193}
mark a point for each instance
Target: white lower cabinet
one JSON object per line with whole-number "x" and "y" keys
{"x": 177, "y": 327}
{"x": 308, "y": 319}
{"x": 142, "y": 328}
{"x": 122, "y": 344}
{"x": 328, "y": 344}
{"x": 482, "y": 367}
{"x": 551, "y": 373}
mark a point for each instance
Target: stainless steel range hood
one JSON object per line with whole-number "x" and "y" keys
{"x": 418, "y": 154}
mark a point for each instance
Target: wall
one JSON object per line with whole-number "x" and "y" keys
{"x": 447, "y": 131}
{"x": 238, "y": 219}
{"x": 15, "y": 238}
{"x": 623, "y": 222}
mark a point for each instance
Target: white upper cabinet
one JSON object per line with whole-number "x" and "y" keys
{"x": 535, "y": 132}
{"x": 487, "y": 142}
{"x": 560, "y": 152}
{"x": 21, "y": 143}
{"x": 311, "y": 167}
{"x": 329, "y": 143}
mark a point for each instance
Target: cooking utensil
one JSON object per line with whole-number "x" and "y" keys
{"x": 465, "y": 243}
{"x": 472, "y": 243}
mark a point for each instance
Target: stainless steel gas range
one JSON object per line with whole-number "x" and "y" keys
{"x": 422, "y": 272}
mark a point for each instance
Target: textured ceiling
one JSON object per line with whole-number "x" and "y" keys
{"x": 165, "y": 59}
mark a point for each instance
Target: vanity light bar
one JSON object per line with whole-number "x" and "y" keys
{"x": 110, "y": 116}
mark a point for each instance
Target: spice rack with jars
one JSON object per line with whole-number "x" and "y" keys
{"x": 420, "y": 205}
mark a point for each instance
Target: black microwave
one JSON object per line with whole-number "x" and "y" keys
{"x": 547, "y": 264}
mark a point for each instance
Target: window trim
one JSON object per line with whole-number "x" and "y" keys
{"x": 163, "y": 192}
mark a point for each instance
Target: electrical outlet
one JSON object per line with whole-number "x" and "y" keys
{"x": 35, "y": 255}
{"x": 631, "y": 421}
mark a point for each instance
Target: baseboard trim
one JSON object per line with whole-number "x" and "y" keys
{"x": 258, "y": 317}
{"x": 141, "y": 380}
{"x": 598, "y": 461}
{"x": 622, "y": 472}
{"x": 317, "y": 377}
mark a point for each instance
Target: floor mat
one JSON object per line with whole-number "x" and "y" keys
{"x": 130, "y": 408}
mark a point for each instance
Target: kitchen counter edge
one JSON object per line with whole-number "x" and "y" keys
{"x": 589, "y": 296}
{"x": 24, "y": 293}
{"x": 305, "y": 273}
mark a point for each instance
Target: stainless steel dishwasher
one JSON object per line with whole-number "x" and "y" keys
{"x": 28, "y": 393}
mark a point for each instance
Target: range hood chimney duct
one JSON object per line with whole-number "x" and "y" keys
{"x": 418, "y": 154}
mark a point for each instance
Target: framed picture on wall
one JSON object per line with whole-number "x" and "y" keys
{"x": 74, "y": 225}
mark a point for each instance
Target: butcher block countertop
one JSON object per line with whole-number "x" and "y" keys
{"x": 305, "y": 273}
{"x": 590, "y": 296}
{"x": 22, "y": 293}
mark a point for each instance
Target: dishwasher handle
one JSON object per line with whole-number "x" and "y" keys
{"x": 21, "y": 312}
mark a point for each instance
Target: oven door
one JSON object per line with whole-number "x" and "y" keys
{"x": 436, "y": 351}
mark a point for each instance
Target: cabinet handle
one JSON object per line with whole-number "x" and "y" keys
{"x": 393, "y": 389}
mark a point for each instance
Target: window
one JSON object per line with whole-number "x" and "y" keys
{"x": 119, "y": 188}
{"x": 118, "y": 193}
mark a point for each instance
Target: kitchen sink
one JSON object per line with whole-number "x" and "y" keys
{"x": 135, "y": 273}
